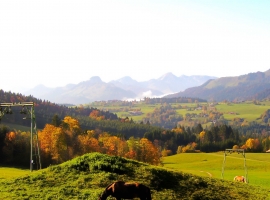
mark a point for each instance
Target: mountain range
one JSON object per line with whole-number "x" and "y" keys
{"x": 245, "y": 87}
{"x": 237, "y": 88}
{"x": 125, "y": 88}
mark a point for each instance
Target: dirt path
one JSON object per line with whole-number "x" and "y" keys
{"x": 210, "y": 175}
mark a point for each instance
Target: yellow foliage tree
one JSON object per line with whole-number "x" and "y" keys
{"x": 149, "y": 153}
{"x": 88, "y": 143}
{"x": 53, "y": 143}
{"x": 202, "y": 135}
{"x": 177, "y": 130}
{"x": 252, "y": 144}
{"x": 73, "y": 124}
{"x": 114, "y": 146}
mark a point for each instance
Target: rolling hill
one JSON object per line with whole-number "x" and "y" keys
{"x": 86, "y": 177}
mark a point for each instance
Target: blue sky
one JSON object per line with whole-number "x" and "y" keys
{"x": 59, "y": 42}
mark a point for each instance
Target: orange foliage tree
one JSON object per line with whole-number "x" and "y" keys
{"x": 149, "y": 153}
{"x": 252, "y": 144}
{"x": 88, "y": 143}
{"x": 8, "y": 148}
{"x": 95, "y": 114}
{"x": 113, "y": 145}
{"x": 53, "y": 143}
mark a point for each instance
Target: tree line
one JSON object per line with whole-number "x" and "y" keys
{"x": 63, "y": 141}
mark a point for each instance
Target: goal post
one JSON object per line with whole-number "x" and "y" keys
{"x": 239, "y": 151}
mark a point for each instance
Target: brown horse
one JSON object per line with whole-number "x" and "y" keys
{"x": 121, "y": 190}
{"x": 240, "y": 179}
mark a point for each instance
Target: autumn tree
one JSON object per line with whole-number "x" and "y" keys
{"x": 9, "y": 146}
{"x": 53, "y": 144}
{"x": 96, "y": 114}
{"x": 3, "y": 131}
{"x": 149, "y": 153}
{"x": 88, "y": 143}
{"x": 72, "y": 129}
{"x": 113, "y": 145}
{"x": 201, "y": 136}
{"x": 166, "y": 152}
{"x": 252, "y": 144}
{"x": 134, "y": 150}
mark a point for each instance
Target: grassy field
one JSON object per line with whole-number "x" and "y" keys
{"x": 210, "y": 165}
{"x": 248, "y": 111}
{"x": 86, "y": 177}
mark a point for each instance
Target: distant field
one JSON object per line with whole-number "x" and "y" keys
{"x": 10, "y": 172}
{"x": 17, "y": 127}
{"x": 144, "y": 108}
{"x": 210, "y": 165}
{"x": 247, "y": 110}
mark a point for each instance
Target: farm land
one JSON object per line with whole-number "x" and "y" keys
{"x": 239, "y": 113}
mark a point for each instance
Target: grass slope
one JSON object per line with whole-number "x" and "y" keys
{"x": 86, "y": 177}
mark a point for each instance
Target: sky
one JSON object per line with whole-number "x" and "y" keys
{"x": 55, "y": 42}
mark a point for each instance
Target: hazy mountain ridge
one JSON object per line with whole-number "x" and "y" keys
{"x": 244, "y": 87}
{"x": 95, "y": 89}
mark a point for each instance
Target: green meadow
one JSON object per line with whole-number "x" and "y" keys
{"x": 211, "y": 164}
{"x": 248, "y": 110}
{"x": 87, "y": 176}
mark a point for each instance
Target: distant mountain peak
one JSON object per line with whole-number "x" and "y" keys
{"x": 95, "y": 79}
{"x": 168, "y": 75}
{"x": 126, "y": 79}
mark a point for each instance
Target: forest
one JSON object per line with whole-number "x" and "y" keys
{"x": 65, "y": 133}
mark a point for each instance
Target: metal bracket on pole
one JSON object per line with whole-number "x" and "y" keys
{"x": 5, "y": 108}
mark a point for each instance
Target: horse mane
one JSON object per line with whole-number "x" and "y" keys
{"x": 109, "y": 186}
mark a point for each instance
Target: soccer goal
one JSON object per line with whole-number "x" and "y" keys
{"x": 239, "y": 151}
